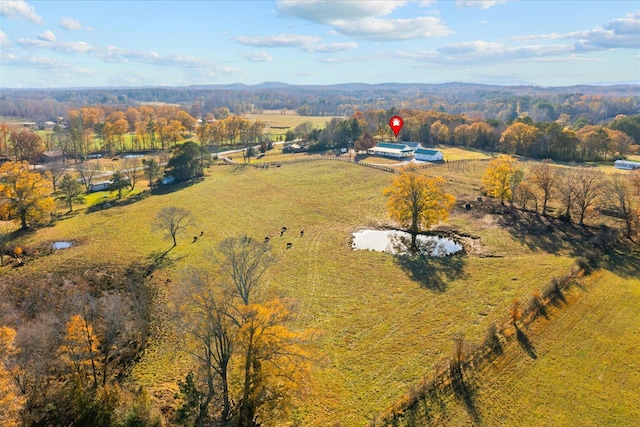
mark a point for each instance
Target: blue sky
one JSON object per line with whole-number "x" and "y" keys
{"x": 176, "y": 43}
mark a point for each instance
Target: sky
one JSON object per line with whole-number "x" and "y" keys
{"x": 179, "y": 43}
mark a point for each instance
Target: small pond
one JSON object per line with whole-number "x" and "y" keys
{"x": 62, "y": 245}
{"x": 394, "y": 242}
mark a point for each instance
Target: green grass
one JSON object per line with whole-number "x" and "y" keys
{"x": 382, "y": 330}
{"x": 585, "y": 372}
{"x": 281, "y": 123}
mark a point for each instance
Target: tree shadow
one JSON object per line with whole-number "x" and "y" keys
{"x": 172, "y": 188}
{"x": 433, "y": 273}
{"x": 108, "y": 204}
{"x": 526, "y": 344}
{"x": 623, "y": 261}
{"x": 464, "y": 389}
{"x": 541, "y": 232}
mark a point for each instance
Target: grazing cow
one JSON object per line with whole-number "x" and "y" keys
{"x": 195, "y": 239}
{"x": 301, "y": 233}
{"x": 289, "y": 245}
{"x": 266, "y": 239}
{"x": 201, "y": 233}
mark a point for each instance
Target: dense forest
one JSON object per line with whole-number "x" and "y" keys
{"x": 595, "y": 104}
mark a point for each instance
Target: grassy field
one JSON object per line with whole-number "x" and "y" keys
{"x": 384, "y": 323}
{"x": 279, "y": 123}
{"x": 584, "y": 365}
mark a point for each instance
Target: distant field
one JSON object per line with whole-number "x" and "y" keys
{"x": 281, "y": 123}
{"x": 383, "y": 328}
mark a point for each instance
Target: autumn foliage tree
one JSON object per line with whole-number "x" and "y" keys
{"x": 11, "y": 400}
{"x": 497, "y": 179}
{"x": 251, "y": 364}
{"x": 25, "y": 195}
{"x": 81, "y": 349}
{"x": 416, "y": 200}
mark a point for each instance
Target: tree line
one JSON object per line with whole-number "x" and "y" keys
{"x": 578, "y": 191}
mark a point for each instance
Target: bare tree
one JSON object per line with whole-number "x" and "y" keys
{"x": 243, "y": 260}
{"x": 132, "y": 170}
{"x": 567, "y": 187}
{"x": 56, "y": 171}
{"x": 588, "y": 188}
{"x": 619, "y": 194}
{"x": 173, "y": 220}
{"x": 545, "y": 177}
{"x": 208, "y": 317}
{"x": 87, "y": 175}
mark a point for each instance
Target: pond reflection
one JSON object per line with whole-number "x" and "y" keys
{"x": 398, "y": 242}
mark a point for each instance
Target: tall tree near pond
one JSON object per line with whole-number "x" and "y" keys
{"x": 26, "y": 195}
{"x": 417, "y": 201}
{"x": 498, "y": 176}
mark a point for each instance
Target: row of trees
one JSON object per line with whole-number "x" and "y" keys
{"x": 577, "y": 190}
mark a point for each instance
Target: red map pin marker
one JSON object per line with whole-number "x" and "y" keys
{"x": 396, "y": 124}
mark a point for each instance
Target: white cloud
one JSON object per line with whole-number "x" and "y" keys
{"x": 482, "y": 4}
{"x": 19, "y": 9}
{"x": 329, "y": 11}
{"x": 258, "y": 56}
{"x": 331, "y": 47}
{"x": 42, "y": 63}
{"x": 394, "y": 29}
{"x": 114, "y": 54}
{"x": 71, "y": 24}
{"x": 281, "y": 40}
{"x": 47, "y": 36}
{"x": 63, "y": 47}
{"x": 4, "y": 40}
{"x": 364, "y": 20}
{"x": 619, "y": 33}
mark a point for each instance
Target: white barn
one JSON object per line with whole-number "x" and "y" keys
{"x": 426, "y": 155}
{"x": 390, "y": 149}
{"x": 626, "y": 164}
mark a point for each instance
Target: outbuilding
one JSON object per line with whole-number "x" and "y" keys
{"x": 52, "y": 156}
{"x": 626, "y": 164}
{"x": 427, "y": 155}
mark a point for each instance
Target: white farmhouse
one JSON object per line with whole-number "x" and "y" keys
{"x": 390, "y": 149}
{"x": 427, "y": 155}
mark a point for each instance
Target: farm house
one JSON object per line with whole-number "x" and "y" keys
{"x": 390, "y": 149}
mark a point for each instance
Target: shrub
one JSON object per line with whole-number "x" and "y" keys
{"x": 492, "y": 340}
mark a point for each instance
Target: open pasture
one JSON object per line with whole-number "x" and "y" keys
{"x": 279, "y": 123}
{"x": 385, "y": 322}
